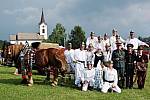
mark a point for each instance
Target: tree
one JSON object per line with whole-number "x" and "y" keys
{"x": 57, "y": 35}
{"x": 3, "y": 44}
{"x": 77, "y": 36}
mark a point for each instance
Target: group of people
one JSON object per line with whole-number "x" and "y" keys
{"x": 105, "y": 63}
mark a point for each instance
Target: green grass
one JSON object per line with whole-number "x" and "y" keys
{"x": 11, "y": 89}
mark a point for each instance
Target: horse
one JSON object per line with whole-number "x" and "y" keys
{"x": 52, "y": 59}
{"x": 11, "y": 54}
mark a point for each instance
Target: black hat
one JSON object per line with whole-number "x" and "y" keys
{"x": 110, "y": 62}
{"x": 131, "y": 32}
{"x": 118, "y": 43}
{"x": 114, "y": 30}
{"x": 140, "y": 48}
{"x": 130, "y": 45}
{"x": 92, "y": 33}
{"x": 106, "y": 34}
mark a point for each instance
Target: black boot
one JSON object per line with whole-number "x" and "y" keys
{"x": 24, "y": 81}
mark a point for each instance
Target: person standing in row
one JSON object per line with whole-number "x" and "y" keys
{"x": 135, "y": 41}
{"x": 107, "y": 54}
{"x": 105, "y": 41}
{"x": 79, "y": 60}
{"x": 99, "y": 43}
{"x": 91, "y": 40}
{"x": 118, "y": 57}
{"x": 69, "y": 54}
{"x": 129, "y": 65}
{"x": 89, "y": 71}
{"x": 114, "y": 38}
{"x": 142, "y": 64}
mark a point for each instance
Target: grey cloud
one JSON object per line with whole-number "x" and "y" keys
{"x": 93, "y": 15}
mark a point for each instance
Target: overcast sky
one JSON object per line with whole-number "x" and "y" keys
{"x": 99, "y": 16}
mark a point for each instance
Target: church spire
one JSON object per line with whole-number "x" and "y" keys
{"x": 42, "y": 18}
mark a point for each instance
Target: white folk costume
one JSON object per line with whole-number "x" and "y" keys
{"x": 104, "y": 43}
{"x": 113, "y": 42}
{"x": 136, "y": 42}
{"x": 90, "y": 56}
{"x": 110, "y": 80}
{"x": 88, "y": 79}
{"x": 69, "y": 54}
{"x": 89, "y": 71}
{"x": 80, "y": 59}
{"x": 107, "y": 55}
{"x": 91, "y": 41}
{"x": 98, "y": 77}
{"x": 99, "y": 46}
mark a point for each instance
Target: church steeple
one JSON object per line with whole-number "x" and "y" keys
{"x": 43, "y": 26}
{"x": 42, "y": 18}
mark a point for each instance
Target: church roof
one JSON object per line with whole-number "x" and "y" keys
{"x": 26, "y": 36}
{"x": 42, "y": 18}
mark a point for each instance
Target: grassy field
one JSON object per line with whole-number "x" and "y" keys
{"x": 11, "y": 89}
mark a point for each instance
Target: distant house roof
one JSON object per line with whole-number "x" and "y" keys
{"x": 26, "y": 36}
{"x": 12, "y": 37}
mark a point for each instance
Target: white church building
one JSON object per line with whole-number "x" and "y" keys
{"x": 31, "y": 37}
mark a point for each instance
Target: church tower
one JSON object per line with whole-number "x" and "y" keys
{"x": 43, "y": 26}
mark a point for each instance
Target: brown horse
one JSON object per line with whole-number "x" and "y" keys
{"x": 11, "y": 54}
{"x": 51, "y": 59}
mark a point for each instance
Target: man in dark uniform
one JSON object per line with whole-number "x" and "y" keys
{"x": 130, "y": 58}
{"x": 142, "y": 64}
{"x": 118, "y": 57}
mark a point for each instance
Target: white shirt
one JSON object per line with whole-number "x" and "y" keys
{"x": 92, "y": 41}
{"x": 80, "y": 55}
{"x": 90, "y": 56}
{"x": 104, "y": 42}
{"x": 110, "y": 75}
{"x": 136, "y": 42}
{"x": 113, "y": 42}
{"x": 69, "y": 54}
{"x": 89, "y": 74}
{"x": 99, "y": 46}
{"x": 107, "y": 56}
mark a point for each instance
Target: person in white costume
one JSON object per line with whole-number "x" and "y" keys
{"x": 80, "y": 61}
{"x": 113, "y": 39}
{"x": 69, "y": 54}
{"x": 88, "y": 79}
{"x": 89, "y": 72}
{"x": 135, "y": 41}
{"x": 107, "y": 54}
{"x": 105, "y": 41}
{"x": 99, "y": 43}
{"x": 110, "y": 78}
{"x": 92, "y": 39}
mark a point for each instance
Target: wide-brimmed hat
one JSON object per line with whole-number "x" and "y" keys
{"x": 82, "y": 44}
{"x": 131, "y": 32}
{"x": 114, "y": 30}
{"x": 110, "y": 62}
{"x": 140, "y": 48}
{"x": 106, "y": 34}
{"x": 130, "y": 45}
{"x": 92, "y": 33}
{"x": 118, "y": 42}
{"x": 90, "y": 45}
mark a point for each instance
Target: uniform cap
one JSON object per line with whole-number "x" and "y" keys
{"x": 130, "y": 45}
{"x": 140, "y": 48}
{"x": 110, "y": 62}
{"x": 114, "y": 30}
{"x": 131, "y": 32}
{"x": 118, "y": 42}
